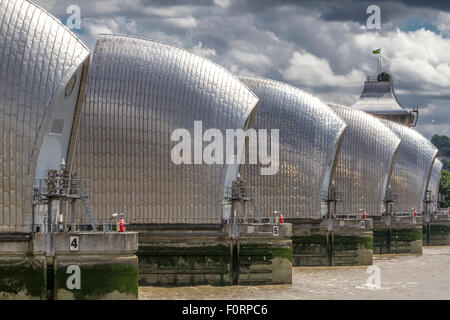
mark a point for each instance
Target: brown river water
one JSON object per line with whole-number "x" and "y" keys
{"x": 399, "y": 277}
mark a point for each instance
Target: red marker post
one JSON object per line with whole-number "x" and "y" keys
{"x": 122, "y": 225}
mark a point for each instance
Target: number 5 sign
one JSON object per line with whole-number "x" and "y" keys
{"x": 74, "y": 244}
{"x": 275, "y": 231}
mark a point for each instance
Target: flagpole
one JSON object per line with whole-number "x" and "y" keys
{"x": 378, "y": 66}
{"x": 378, "y": 51}
{"x": 380, "y": 61}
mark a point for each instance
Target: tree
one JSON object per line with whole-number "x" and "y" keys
{"x": 444, "y": 187}
{"x": 442, "y": 143}
{"x": 446, "y": 164}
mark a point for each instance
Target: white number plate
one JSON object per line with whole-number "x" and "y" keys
{"x": 74, "y": 244}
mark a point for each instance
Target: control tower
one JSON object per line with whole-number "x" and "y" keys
{"x": 378, "y": 98}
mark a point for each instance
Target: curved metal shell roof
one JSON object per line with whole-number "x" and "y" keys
{"x": 379, "y": 97}
{"x": 139, "y": 91}
{"x": 435, "y": 178}
{"x": 309, "y": 136}
{"x": 38, "y": 56}
{"x": 365, "y": 160}
{"x": 412, "y": 168}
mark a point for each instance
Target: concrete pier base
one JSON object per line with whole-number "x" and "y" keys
{"x": 23, "y": 267}
{"x": 247, "y": 254}
{"x": 332, "y": 242}
{"x": 397, "y": 235}
{"x": 262, "y": 257}
{"x": 436, "y": 230}
{"x": 184, "y": 259}
{"x": 100, "y": 266}
{"x": 106, "y": 262}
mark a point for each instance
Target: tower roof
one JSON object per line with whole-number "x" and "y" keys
{"x": 378, "y": 97}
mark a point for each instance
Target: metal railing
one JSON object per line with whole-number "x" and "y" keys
{"x": 332, "y": 195}
{"x": 403, "y": 214}
{"x": 391, "y": 197}
{"x": 63, "y": 186}
{"x": 335, "y": 203}
{"x": 244, "y": 208}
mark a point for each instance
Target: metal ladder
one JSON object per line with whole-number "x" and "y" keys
{"x": 256, "y": 210}
{"x": 88, "y": 207}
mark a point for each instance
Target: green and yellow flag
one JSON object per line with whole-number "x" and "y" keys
{"x": 377, "y": 51}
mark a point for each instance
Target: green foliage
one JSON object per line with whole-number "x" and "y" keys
{"x": 442, "y": 143}
{"x": 446, "y": 163}
{"x": 444, "y": 187}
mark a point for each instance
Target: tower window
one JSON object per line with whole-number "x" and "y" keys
{"x": 57, "y": 127}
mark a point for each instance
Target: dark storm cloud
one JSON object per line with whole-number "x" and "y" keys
{"x": 343, "y": 10}
{"x": 165, "y": 3}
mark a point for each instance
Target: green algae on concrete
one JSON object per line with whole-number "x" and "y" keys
{"x": 22, "y": 277}
{"x": 439, "y": 234}
{"x": 406, "y": 240}
{"x": 106, "y": 263}
{"x": 190, "y": 260}
{"x": 322, "y": 244}
{"x": 436, "y": 232}
{"x": 381, "y": 239}
{"x": 187, "y": 259}
{"x": 398, "y": 235}
{"x": 353, "y": 249}
{"x": 310, "y": 248}
{"x": 264, "y": 261}
{"x": 112, "y": 278}
{"x": 352, "y": 242}
{"x": 398, "y": 240}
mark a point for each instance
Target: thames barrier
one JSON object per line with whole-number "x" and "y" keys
{"x": 93, "y": 205}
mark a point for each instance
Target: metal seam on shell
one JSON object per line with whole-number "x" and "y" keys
{"x": 412, "y": 168}
{"x": 435, "y": 176}
{"x": 364, "y": 163}
{"x": 309, "y": 130}
{"x": 178, "y": 88}
{"x": 32, "y": 77}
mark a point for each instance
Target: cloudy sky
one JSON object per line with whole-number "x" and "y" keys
{"x": 322, "y": 47}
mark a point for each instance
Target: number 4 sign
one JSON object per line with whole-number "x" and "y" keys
{"x": 74, "y": 244}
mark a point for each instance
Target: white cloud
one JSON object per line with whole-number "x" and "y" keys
{"x": 222, "y": 3}
{"x": 258, "y": 60}
{"x": 169, "y": 11}
{"x": 96, "y": 27}
{"x": 307, "y": 69}
{"x": 198, "y": 48}
{"x": 186, "y": 22}
{"x": 418, "y": 56}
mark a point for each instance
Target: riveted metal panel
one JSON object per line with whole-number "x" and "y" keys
{"x": 139, "y": 91}
{"x": 365, "y": 160}
{"x": 38, "y": 56}
{"x": 412, "y": 168}
{"x": 309, "y": 137}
